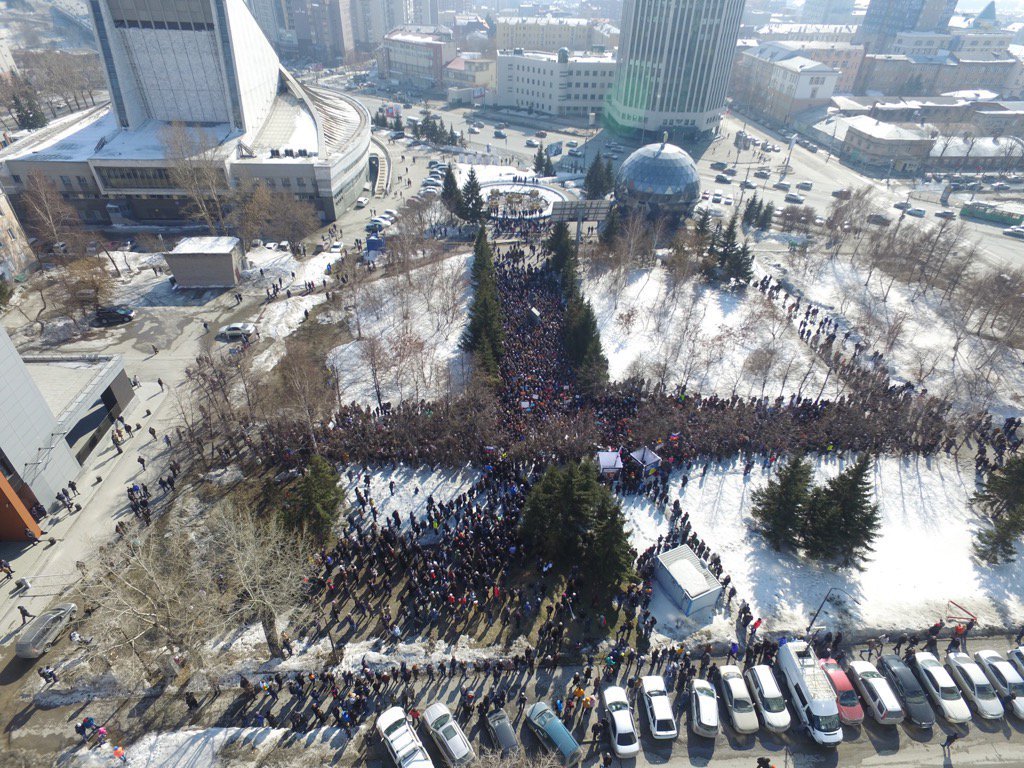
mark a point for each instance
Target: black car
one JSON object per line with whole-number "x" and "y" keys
{"x": 502, "y": 734}
{"x": 906, "y": 686}
{"x": 114, "y": 315}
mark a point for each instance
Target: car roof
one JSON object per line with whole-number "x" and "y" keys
{"x": 836, "y": 675}
{"x": 389, "y": 716}
{"x": 968, "y": 666}
{"x": 653, "y": 682}
{"x": 860, "y": 666}
{"x": 614, "y": 693}
{"x": 764, "y": 676}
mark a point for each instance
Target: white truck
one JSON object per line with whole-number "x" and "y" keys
{"x": 812, "y": 695}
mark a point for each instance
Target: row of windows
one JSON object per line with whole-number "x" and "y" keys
{"x": 188, "y": 26}
{"x": 135, "y": 178}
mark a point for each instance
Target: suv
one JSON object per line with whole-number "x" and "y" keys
{"x": 43, "y": 631}
{"x": 401, "y": 741}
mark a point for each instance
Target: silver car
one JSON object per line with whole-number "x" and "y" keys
{"x": 42, "y": 632}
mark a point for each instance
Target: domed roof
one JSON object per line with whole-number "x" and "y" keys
{"x": 660, "y": 175}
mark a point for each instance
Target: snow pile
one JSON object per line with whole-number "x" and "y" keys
{"x": 407, "y": 330}
{"x": 204, "y": 748}
{"x": 711, "y": 340}
{"x": 921, "y": 343}
{"x": 922, "y": 556}
{"x": 267, "y": 267}
{"x": 281, "y": 317}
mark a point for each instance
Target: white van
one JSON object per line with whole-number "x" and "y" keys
{"x": 812, "y": 695}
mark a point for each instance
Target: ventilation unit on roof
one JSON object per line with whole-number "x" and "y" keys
{"x": 289, "y": 153}
{"x": 303, "y": 153}
{"x": 275, "y": 153}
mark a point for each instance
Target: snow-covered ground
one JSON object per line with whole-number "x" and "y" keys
{"x": 710, "y": 339}
{"x": 407, "y": 330}
{"x": 922, "y": 344}
{"x": 922, "y": 556}
{"x": 488, "y": 173}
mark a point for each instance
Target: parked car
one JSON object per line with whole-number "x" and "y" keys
{"x": 764, "y": 690}
{"x": 1007, "y": 681}
{"x": 503, "y": 735}
{"x": 541, "y": 134}
{"x": 737, "y": 699}
{"x": 657, "y": 707}
{"x": 473, "y": 129}
{"x": 1016, "y": 658}
{"x": 1017, "y": 232}
{"x": 532, "y": 143}
{"x": 976, "y": 687}
{"x": 553, "y": 735}
{"x": 42, "y": 632}
{"x": 448, "y": 735}
{"x": 719, "y": 165}
{"x": 917, "y": 213}
{"x": 572, "y": 143}
{"x": 850, "y": 710}
{"x": 794, "y": 198}
{"x": 842, "y": 194}
{"x": 114, "y": 315}
{"x": 730, "y": 172}
{"x": 237, "y": 331}
{"x": 940, "y": 688}
{"x": 879, "y": 219}
{"x": 723, "y": 179}
{"x": 945, "y": 215}
{"x": 500, "y": 134}
{"x": 703, "y": 708}
{"x": 878, "y": 695}
{"x": 401, "y": 741}
{"x": 621, "y": 728}
{"x": 908, "y": 688}
{"x": 807, "y": 186}
{"x": 361, "y": 202}
{"x": 902, "y": 205}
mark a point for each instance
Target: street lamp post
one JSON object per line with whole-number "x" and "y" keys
{"x": 824, "y": 600}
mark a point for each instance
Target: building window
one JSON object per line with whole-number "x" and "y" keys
{"x": 66, "y": 181}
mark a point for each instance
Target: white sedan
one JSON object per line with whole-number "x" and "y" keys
{"x": 737, "y": 699}
{"x": 975, "y": 685}
{"x": 1007, "y": 681}
{"x": 237, "y": 331}
{"x": 401, "y": 741}
{"x": 654, "y": 695}
{"x": 764, "y": 689}
{"x": 703, "y": 708}
{"x": 941, "y": 688}
{"x": 336, "y": 246}
{"x": 448, "y": 735}
{"x": 1016, "y": 657}
{"x": 621, "y": 729}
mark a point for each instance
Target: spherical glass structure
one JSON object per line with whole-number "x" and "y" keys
{"x": 659, "y": 178}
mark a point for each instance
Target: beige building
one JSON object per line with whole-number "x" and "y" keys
{"x": 777, "y": 83}
{"x": 900, "y": 75}
{"x": 473, "y": 71}
{"x": 416, "y": 56}
{"x": 547, "y": 33}
{"x": 885, "y": 147}
{"x": 15, "y": 254}
{"x": 207, "y": 262}
{"x": 814, "y": 33}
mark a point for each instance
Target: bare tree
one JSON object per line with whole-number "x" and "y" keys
{"x": 309, "y": 392}
{"x": 50, "y": 217}
{"x": 198, "y": 172}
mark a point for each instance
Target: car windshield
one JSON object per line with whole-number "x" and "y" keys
{"x": 774, "y": 704}
{"x": 616, "y": 706}
{"x": 394, "y": 728}
{"x": 626, "y": 739}
{"x": 984, "y": 691}
{"x": 825, "y": 723}
{"x": 705, "y": 692}
{"x": 655, "y": 692}
{"x": 914, "y": 696}
{"x": 440, "y": 721}
{"x": 1017, "y": 689}
{"x": 848, "y": 699}
{"x": 949, "y": 693}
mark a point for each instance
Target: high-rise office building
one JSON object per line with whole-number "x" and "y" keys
{"x": 675, "y": 60}
{"x": 885, "y": 19}
{"x": 827, "y": 12}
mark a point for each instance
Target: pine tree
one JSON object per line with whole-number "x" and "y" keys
{"x": 549, "y": 167}
{"x": 609, "y": 175}
{"x": 750, "y": 211}
{"x": 317, "y": 503}
{"x": 703, "y": 224}
{"x": 595, "y": 184}
{"x": 582, "y": 341}
{"x": 485, "y": 332}
{"x": 726, "y": 246}
{"x": 739, "y": 264}
{"x": 538, "y": 161}
{"x": 609, "y": 553}
{"x": 764, "y": 221}
{"x": 483, "y": 258}
{"x": 399, "y": 125}
{"x": 562, "y": 248}
{"x": 1002, "y": 502}
{"x": 611, "y": 228}
{"x": 451, "y": 195}
{"x": 472, "y": 200}
{"x": 780, "y": 507}
{"x": 842, "y": 521}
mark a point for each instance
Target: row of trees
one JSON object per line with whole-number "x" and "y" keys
{"x": 571, "y": 518}
{"x": 600, "y": 179}
{"x": 485, "y": 332}
{"x": 54, "y": 81}
{"x": 836, "y": 521}
{"x": 1001, "y": 502}
{"x": 580, "y": 334}
{"x": 468, "y": 202}
{"x": 19, "y": 97}
{"x": 758, "y": 213}
{"x": 542, "y": 164}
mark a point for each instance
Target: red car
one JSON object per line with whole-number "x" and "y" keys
{"x": 850, "y": 710}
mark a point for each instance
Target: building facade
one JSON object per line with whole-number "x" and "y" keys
{"x": 416, "y": 56}
{"x": 372, "y": 19}
{"x": 56, "y": 410}
{"x": 827, "y": 11}
{"x": 562, "y": 84}
{"x": 817, "y": 33}
{"x": 15, "y": 254}
{"x": 777, "y": 83}
{"x": 885, "y": 148}
{"x": 470, "y": 77}
{"x": 885, "y": 19}
{"x": 551, "y": 34}
{"x": 675, "y": 60}
{"x": 196, "y": 77}
{"x": 844, "y": 58}
{"x": 899, "y": 75}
